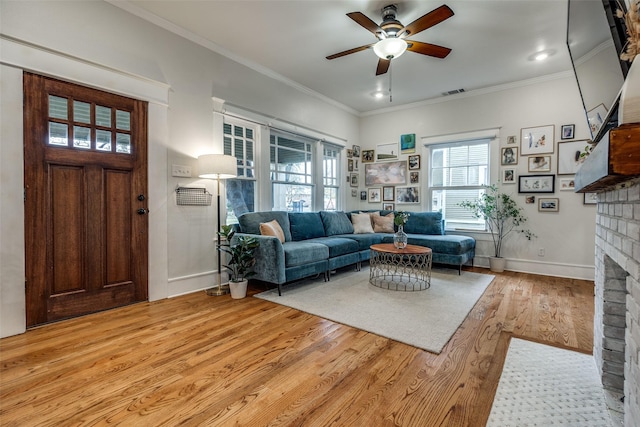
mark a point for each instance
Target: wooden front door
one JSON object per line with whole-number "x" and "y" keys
{"x": 85, "y": 154}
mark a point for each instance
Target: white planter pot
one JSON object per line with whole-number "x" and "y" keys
{"x": 497, "y": 264}
{"x": 238, "y": 289}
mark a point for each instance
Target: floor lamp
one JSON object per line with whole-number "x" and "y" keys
{"x": 218, "y": 167}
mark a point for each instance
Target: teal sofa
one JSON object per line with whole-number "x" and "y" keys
{"x": 320, "y": 242}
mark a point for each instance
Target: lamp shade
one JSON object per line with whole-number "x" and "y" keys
{"x": 217, "y": 166}
{"x": 390, "y": 48}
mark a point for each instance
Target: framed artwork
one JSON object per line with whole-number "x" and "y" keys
{"x": 566, "y": 184}
{"x": 350, "y": 165}
{"x": 569, "y": 159}
{"x": 387, "y": 151}
{"x": 363, "y": 195}
{"x": 536, "y": 183}
{"x": 408, "y": 143}
{"x": 590, "y": 198}
{"x": 388, "y": 206}
{"x": 387, "y": 173}
{"x": 539, "y": 163}
{"x": 374, "y": 195}
{"x": 567, "y": 131}
{"x": 388, "y": 194}
{"x": 354, "y": 192}
{"x": 596, "y": 117}
{"x": 349, "y": 153}
{"x": 414, "y": 176}
{"x": 414, "y": 162}
{"x": 509, "y": 156}
{"x": 368, "y": 156}
{"x": 530, "y": 200}
{"x": 355, "y": 151}
{"x": 407, "y": 195}
{"x": 548, "y": 204}
{"x": 508, "y": 176}
{"x": 537, "y": 140}
{"x": 356, "y": 161}
{"x": 512, "y": 139}
{"x": 354, "y": 179}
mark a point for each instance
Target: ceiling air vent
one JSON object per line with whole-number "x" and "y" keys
{"x": 452, "y": 92}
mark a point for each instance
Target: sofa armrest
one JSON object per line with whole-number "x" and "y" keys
{"x": 270, "y": 262}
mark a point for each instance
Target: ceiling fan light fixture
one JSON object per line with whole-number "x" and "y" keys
{"x": 390, "y": 48}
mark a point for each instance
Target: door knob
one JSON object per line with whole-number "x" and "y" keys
{"x": 142, "y": 211}
{"x": 141, "y": 197}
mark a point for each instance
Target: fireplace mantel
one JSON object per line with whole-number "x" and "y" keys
{"x": 614, "y": 160}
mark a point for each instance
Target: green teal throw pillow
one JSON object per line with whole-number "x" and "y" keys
{"x": 336, "y": 223}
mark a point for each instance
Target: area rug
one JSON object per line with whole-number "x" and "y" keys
{"x": 424, "y": 319}
{"x": 542, "y": 385}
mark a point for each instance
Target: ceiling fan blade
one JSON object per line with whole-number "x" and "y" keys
{"x": 428, "y": 20}
{"x": 383, "y": 66}
{"x": 428, "y": 49}
{"x": 367, "y": 23}
{"x": 350, "y": 51}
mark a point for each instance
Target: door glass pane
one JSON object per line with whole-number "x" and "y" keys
{"x": 123, "y": 120}
{"x": 103, "y": 116}
{"x": 81, "y": 137}
{"x": 103, "y": 140}
{"x": 123, "y": 143}
{"x": 81, "y": 112}
{"x": 58, "y": 134}
{"x": 57, "y": 108}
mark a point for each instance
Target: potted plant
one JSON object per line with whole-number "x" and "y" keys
{"x": 502, "y": 215}
{"x": 241, "y": 260}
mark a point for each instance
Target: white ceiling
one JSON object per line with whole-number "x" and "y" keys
{"x": 492, "y": 42}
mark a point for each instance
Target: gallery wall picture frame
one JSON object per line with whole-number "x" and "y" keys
{"x": 509, "y": 156}
{"x": 408, "y": 143}
{"x": 596, "y": 117}
{"x": 368, "y": 156}
{"x": 536, "y": 183}
{"x": 363, "y": 195}
{"x": 590, "y": 199}
{"x": 386, "y": 152}
{"x": 350, "y": 165}
{"x": 386, "y": 173}
{"x": 414, "y": 177}
{"x": 537, "y": 140}
{"x": 374, "y": 195}
{"x": 407, "y": 195}
{"x": 512, "y": 139}
{"x": 548, "y": 204}
{"x": 356, "y": 162}
{"x": 356, "y": 150}
{"x": 566, "y": 184}
{"x": 414, "y": 162}
{"x": 388, "y": 207}
{"x": 567, "y": 131}
{"x": 539, "y": 164}
{"x": 354, "y": 192}
{"x": 529, "y": 200}
{"x": 349, "y": 153}
{"x": 354, "y": 181}
{"x": 508, "y": 176}
{"x": 569, "y": 156}
{"x": 388, "y": 194}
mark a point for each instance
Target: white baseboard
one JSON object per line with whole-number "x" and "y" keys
{"x": 572, "y": 271}
{"x": 193, "y": 283}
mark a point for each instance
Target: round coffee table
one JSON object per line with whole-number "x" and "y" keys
{"x": 407, "y": 269}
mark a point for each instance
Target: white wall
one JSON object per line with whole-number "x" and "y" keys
{"x": 101, "y": 41}
{"x": 568, "y": 235}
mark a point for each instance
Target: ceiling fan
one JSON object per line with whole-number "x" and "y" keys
{"x": 391, "y": 35}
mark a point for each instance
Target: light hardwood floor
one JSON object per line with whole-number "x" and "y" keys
{"x": 199, "y": 360}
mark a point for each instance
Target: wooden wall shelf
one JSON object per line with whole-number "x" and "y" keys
{"x": 615, "y": 159}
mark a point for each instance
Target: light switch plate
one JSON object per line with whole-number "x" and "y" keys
{"x": 181, "y": 171}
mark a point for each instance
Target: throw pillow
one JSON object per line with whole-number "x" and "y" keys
{"x": 424, "y": 223}
{"x": 361, "y": 223}
{"x": 305, "y": 225}
{"x": 382, "y": 224}
{"x": 336, "y": 223}
{"x": 272, "y": 228}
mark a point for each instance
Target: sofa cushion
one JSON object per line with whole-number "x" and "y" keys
{"x": 272, "y": 228}
{"x": 301, "y": 253}
{"x": 305, "y": 225}
{"x": 336, "y": 223}
{"x": 337, "y": 245}
{"x": 424, "y": 223}
{"x": 250, "y": 222}
{"x": 361, "y": 223}
{"x": 366, "y": 240}
{"x": 382, "y": 224}
{"x": 449, "y": 244}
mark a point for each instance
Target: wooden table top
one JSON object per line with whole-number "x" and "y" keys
{"x": 408, "y": 250}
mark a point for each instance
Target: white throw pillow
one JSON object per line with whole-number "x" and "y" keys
{"x": 361, "y": 223}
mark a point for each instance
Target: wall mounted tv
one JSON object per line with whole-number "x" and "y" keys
{"x": 595, "y": 38}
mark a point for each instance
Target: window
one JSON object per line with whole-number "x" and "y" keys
{"x": 458, "y": 171}
{"x": 330, "y": 176}
{"x": 239, "y": 142}
{"x": 291, "y": 170}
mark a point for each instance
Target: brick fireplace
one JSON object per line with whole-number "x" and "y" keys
{"x": 617, "y": 297}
